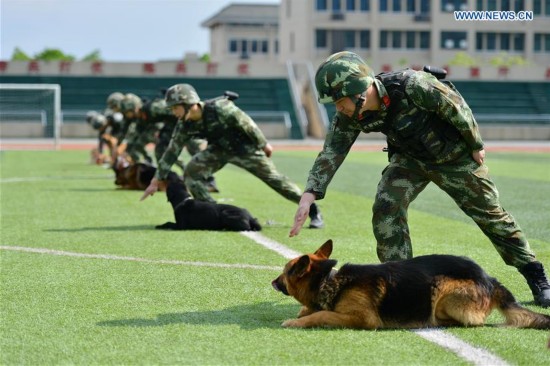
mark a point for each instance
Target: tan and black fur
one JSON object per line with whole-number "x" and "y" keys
{"x": 426, "y": 291}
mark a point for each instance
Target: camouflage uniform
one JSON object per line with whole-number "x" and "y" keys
{"x": 431, "y": 133}
{"x": 156, "y": 112}
{"x": 232, "y": 137}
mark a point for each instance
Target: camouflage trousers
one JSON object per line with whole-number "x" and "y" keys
{"x": 137, "y": 142}
{"x": 207, "y": 162}
{"x": 469, "y": 186}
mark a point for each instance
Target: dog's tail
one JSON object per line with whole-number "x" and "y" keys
{"x": 255, "y": 225}
{"x": 515, "y": 314}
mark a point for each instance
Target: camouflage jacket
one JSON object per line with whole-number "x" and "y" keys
{"x": 431, "y": 122}
{"x": 152, "y": 116}
{"x": 225, "y": 126}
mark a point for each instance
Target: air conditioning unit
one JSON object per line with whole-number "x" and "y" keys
{"x": 449, "y": 7}
{"x": 463, "y": 44}
{"x": 338, "y": 16}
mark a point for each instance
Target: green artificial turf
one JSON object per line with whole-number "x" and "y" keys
{"x": 113, "y": 307}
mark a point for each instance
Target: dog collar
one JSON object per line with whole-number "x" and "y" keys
{"x": 182, "y": 203}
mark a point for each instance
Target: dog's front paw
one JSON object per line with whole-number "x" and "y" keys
{"x": 291, "y": 323}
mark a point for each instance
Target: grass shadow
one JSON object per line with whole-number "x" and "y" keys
{"x": 248, "y": 316}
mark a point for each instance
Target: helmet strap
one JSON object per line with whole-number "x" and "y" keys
{"x": 358, "y": 104}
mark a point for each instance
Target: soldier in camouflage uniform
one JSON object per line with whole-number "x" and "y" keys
{"x": 109, "y": 123}
{"x": 157, "y": 113}
{"x": 139, "y": 132}
{"x": 232, "y": 137}
{"x": 432, "y": 137}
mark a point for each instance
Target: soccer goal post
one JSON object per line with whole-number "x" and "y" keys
{"x": 31, "y": 111}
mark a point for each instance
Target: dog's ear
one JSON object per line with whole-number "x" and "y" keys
{"x": 301, "y": 267}
{"x": 325, "y": 250}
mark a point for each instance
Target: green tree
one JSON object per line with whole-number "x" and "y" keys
{"x": 19, "y": 55}
{"x": 53, "y": 54}
{"x": 95, "y": 55}
{"x": 463, "y": 59}
{"x": 205, "y": 58}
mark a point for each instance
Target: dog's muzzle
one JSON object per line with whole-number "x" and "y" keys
{"x": 279, "y": 286}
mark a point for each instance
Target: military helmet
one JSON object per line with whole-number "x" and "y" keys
{"x": 130, "y": 102}
{"x": 181, "y": 94}
{"x": 114, "y": 99}
{"x": 343, "y": 74}
{"x": 95, "y": 119}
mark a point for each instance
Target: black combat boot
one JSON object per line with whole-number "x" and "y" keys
{"x": 211, "y": 185}
{"x": 315, "y": 216}
{"x": 538, "y": 283}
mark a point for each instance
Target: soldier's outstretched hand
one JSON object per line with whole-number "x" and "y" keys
{"x": 151, "y": 189}
{"x": 302, "y": 213}
{"x": 268, "y": 150}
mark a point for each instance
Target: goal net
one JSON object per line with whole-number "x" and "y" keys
{"x": 30, "y": 111}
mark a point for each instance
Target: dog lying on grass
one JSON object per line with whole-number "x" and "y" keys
{"x": 191, "y": 214}
{"x": 426, "y": 291}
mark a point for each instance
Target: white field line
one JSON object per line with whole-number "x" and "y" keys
{"x": 477, "y": 356}
{"x": 134, "y": 259}
{"x": 271, "y": 244}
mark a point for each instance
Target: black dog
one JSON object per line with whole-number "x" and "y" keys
{"x": 198, "y": 215}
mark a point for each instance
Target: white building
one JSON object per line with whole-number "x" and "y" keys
{"x": 391, "y": 34}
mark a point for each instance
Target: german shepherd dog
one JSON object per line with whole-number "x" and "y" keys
{"x": 191, "y": 214}
{"x": 426, "y": 291}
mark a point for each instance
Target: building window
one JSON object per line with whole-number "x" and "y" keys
{"x": 541, "y": 7}
{"x": 401, "y": 39}
{"x": 232, "y": 46}
{"x": 321, "y": 5}
{"x": 411, "y": 5}
{"x": 321, "y": 38}
{"x": 424, "y": 40}
{"x": 424, "y": 6}
{"x": 410, "y": 40}
{"x": 349, "y": 39}
{"x": 350, "y": 5}
{"x": 336, "y": 6}
{"x": 505, "y": 41}
{"x": 519, "y": 42}
{"x": 396, "y": 6}
{"x": 451, "y": 5}
{"x": 383, "y": 39}
{"x": 364, "y": 5}
{"x": 396, "y": 39}
{"x": 383, "y": 6}
{"x": 519, "y": 5}
{"x": 265, "y": 46}
{"x": 454, "y": 40}
{"x": 364, "y": 39}
{"x": 491, "y": 41}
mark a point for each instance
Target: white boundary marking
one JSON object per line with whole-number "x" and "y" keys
{"x": 271, "y": 244}
{"x": 134, "y": 259}
{"x": 478, "y": 356}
